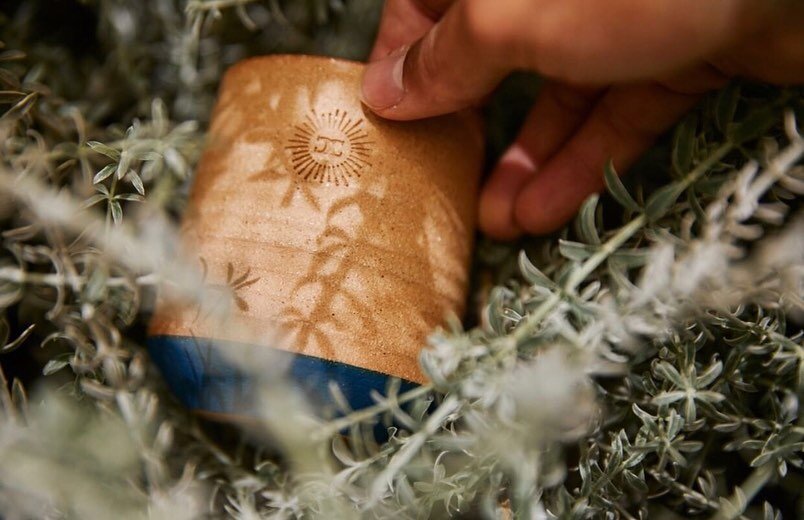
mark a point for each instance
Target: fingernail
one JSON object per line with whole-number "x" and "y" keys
{"x": 515, "y": 169}
{"x": 382, "y": 81}
{"x": 518, "y": 157}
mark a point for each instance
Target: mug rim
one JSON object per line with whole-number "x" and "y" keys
{"x": 470, "y": 116}
{"x": 317, "y": 58}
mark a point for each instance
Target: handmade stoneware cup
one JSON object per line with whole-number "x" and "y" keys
{"x": 342, "y": 239}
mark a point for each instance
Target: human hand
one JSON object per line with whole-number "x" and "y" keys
{"x": 620, "y": 72}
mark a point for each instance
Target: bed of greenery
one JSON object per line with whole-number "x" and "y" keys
{"x": 646, "y": 362}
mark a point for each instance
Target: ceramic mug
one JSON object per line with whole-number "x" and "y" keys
{"x": 342, "y": 239}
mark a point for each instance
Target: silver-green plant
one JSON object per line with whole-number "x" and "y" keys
{"x": 647, "y": 363}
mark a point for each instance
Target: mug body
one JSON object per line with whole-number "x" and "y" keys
{"x": 337, "y": 239}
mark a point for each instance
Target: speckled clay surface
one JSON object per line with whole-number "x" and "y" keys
{"x": 353, "y": 233}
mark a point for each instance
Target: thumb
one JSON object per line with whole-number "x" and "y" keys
{"x": 453, "y": 66}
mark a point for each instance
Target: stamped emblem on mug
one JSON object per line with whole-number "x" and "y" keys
{"x": 330, "y": 147}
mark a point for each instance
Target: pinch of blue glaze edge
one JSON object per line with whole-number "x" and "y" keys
{"x": 202, "y": 379}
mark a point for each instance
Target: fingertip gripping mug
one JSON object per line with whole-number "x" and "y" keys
{"x": 345, "y": 235}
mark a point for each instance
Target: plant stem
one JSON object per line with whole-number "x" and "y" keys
{"x": 529, "y": 324}
{"x": 750, "y": 487}
{"x": 413, "y": 445}
{"x": 16, "y": 275}
{"x": 365, "y": 414}
{"x": 212, "y": 5}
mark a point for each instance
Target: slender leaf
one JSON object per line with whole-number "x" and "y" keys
{"x": 575, "y": 250}
{"x": 136, "y": 181}
{"x": 104, "y": 174}
{"x": 94, "y": 199}
{"x": 662, "y": 200}
{"x": 617, "y": 189}
{"x": 103, "y": 149}
{"x": 531, "y": 273}
{"x": 133, "y": 197}
{"x": 54, "y": 365}
{"x": 586, "y": 221}
{"x": 684, "y": 145}
{"x": 117, "y": 211}
{"x": 17, "y": 343}
{"x": 755, "y": 125}
{"x": 726, "y": 106}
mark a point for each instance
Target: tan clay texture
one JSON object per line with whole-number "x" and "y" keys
{"x": 348, "y": 234}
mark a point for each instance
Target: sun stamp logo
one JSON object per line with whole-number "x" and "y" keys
{"x": 330, "y": 147}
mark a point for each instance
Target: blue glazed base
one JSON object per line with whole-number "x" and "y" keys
{"x": 203, "y": 379}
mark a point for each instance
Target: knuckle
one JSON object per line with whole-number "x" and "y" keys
{"x": 698, "y": 81}
{"x": 520, "y": 32}
{"x": 623, "y": 122}
{"x": 428, "y": 63}
{"x": 431, "y": 62}
{"x": 568, "y": 100}
{"x": 551, "y": 41}
{"x": 490, "y": 26}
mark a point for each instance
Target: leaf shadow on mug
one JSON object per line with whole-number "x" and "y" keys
{"x": 377, "y": 274}
{"x": 359, "y": 255}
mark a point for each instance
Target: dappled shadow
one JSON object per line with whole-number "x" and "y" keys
{"x": 350, "y": 234}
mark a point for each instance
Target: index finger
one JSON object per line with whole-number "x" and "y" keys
{"x": 405, "y": 21}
